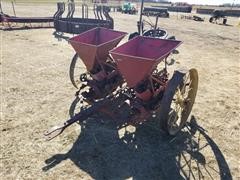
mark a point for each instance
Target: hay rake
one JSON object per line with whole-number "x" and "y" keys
{"x": 14, "y": 22}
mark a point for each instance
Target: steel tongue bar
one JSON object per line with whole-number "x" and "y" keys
{"x": 81, "y": 116}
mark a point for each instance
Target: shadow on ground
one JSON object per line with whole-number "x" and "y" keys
{"x": 145, "y": 153}
{"x": 23, "y": 28}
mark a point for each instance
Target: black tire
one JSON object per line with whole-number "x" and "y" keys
{"x": 224, "y": 21}
{"x": 133, "y": 35}
{"x": 166, "y": 111}
{"x": 172, "y": 38}
{"x": 158, "y": 33}
{"x": 167, "y": 15}
{"x": 211, "y": 19}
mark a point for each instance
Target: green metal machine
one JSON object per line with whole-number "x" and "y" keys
{"x": 129, "y": 8}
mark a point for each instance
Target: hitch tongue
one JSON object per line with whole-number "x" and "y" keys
{"x": 57, "y": 130}
{"x": 54, "y": 132}
{"x": 81, "y": 116}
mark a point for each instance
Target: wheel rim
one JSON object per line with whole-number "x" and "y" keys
{"x": 75, "y": 71}
{"x": 182, "y": 102}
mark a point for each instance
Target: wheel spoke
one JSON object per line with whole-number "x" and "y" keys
{"x": 182, "y": 101}
{"x": 185, "y": 83}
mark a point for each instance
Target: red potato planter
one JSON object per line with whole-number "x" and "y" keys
{"x": 125, "y": 82}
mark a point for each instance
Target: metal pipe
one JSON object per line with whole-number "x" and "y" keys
{"x": 140, "y": 20}
{"x": 13, "y": 9}
{"x": 81, "y": 116}
{"x": 83, "y": 11}
{"x": 1, "y": 11}
{"x": 156, "y": 23}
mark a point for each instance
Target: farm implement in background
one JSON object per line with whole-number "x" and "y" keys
{"x": 156, "y": 11}
{"x": 154, "y": 30}
{"x": 68, "y": 24}
{"x": 218, "y": 15}
{"x": 129, "y": 8}
{"x": 15, "y": 22}
{"x": 75, "y": 25}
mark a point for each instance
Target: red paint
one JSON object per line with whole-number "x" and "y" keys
{"x": 93, "y": 46}
{"x": 146, "y": 95}
{"x": 138, "y": 57}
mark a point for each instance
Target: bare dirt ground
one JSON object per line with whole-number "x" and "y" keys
{"x": 36, "y": 94}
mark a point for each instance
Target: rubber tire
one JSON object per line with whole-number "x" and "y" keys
{"x": 224, "y": 21}
{"x": 133, "y": 35}
{"x": 211, "y": 20}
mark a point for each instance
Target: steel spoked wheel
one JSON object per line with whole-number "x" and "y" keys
{"x": 75, "y": 107}
{"x": 75, "y": 71}
{"x": 178, "y": 100}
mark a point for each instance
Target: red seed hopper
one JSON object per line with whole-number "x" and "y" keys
{"x": 137, "y": 58}
{"x": 102, "y": 76}
{"x": 93, "y": 46}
